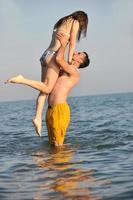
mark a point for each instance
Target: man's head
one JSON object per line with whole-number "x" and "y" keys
{"x": 81, "y": 59}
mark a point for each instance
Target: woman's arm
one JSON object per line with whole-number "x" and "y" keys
{"x": 73, "y": 38}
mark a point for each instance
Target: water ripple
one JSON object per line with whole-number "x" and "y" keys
{"x": 95, "y": 162}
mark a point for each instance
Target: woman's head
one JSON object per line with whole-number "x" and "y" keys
{"x": 81, "y": 17}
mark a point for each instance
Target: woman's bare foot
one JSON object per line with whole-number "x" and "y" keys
{"x": 15, "y": 79}
{"x": 38, "y": 126}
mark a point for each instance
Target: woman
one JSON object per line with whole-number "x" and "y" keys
{"x": 73, "y": 25}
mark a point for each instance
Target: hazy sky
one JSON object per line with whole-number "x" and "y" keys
{"x": 26, "y": 29}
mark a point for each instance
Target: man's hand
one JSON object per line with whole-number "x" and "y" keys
{"x": 62, "y": 38}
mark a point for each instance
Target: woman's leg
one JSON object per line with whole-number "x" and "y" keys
{"x": 37, "y": 120}
{"x": 42, "y": 87}
{"x": 49, "y": 77}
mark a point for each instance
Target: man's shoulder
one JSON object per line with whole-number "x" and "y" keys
{"x": 74, "y": 73}
{"x": 74, "y": 69}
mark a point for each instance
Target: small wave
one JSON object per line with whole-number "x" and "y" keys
{"x": 124, "y": 195}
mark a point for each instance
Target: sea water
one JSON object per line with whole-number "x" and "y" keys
{"x": 96, "y": 161}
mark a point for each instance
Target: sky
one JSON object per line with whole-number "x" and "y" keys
{"x": 26, "y": 30}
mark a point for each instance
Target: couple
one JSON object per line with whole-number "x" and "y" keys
{"x": 58, "y": 76}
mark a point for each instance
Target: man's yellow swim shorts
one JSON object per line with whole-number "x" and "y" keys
{"x": 57, "y": 121}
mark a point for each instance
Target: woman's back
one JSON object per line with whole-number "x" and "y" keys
{"x": 65, "y": 28}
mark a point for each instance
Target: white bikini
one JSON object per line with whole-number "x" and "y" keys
{"x": 62, "y": 31}
{"x": 46, "y": 54}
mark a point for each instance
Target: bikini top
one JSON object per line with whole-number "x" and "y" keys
{"x": 63, "y": 31}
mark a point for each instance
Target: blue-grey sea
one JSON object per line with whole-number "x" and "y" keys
{"x": 96, "y": 161}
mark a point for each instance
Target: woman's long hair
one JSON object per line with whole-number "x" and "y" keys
{"x": 81, "y": 17}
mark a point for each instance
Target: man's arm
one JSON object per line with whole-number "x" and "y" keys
{"x": 60, "y": 59}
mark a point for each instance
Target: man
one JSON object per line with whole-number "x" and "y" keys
{"x": 58, "y": 112}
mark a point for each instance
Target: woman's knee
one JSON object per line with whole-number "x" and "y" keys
{"x": 45, "y": 90}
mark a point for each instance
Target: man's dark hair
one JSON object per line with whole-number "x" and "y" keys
{"x": 86, "y": 61}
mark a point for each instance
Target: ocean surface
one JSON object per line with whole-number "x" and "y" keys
{"x": 96, "y": 161}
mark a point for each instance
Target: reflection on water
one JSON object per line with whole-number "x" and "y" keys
{"x": 64, "y": 181}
